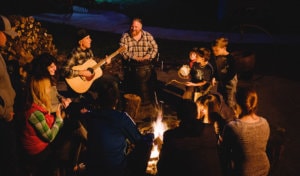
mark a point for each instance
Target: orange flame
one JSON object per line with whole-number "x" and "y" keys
{"x": 159, "y": 127}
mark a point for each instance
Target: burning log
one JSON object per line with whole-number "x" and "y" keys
{"x": 158, "y": 142}
{"x": 157, "y": 127}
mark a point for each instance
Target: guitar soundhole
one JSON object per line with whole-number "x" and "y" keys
{"x": 88, "y": 78}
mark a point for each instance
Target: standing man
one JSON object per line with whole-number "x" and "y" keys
{"x": 141, "y": 49}
{"x": 8, "y": 148}
{"x": 225, "y": 74}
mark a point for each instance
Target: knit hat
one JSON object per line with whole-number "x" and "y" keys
{"x": 5, "y": 26}
{"x": 81, "y": 34}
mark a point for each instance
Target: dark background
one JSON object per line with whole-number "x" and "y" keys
{"x": 276, "y": 63}
{"x": 275, "y": 16}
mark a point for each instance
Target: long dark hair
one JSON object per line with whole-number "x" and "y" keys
{"x": 37, "y": 70}
{"x": 39, "y": 66}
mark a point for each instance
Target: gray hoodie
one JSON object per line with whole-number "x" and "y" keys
{"x": 7, "y": 93}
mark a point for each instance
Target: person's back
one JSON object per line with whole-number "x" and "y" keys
{"x": 107, "y": 141}
{"x": 191, "y": 148}
{"x": 245, "y": 139}
{"x": 109, "y": 130}
{"x": 249, "y": 147}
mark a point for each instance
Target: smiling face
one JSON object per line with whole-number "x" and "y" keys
{"x": 52, "y": 69}
{"x": 135, "y": 28}
{"x": 193, "y": 56}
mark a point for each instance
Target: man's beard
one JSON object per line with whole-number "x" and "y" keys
{"x": 135, "y": 32}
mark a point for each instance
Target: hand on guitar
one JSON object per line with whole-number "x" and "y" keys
{"x": 107, "y": 59}
{"x": 88, "y": 74}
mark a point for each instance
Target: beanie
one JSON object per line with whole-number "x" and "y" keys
{"x": 81, "y": 34}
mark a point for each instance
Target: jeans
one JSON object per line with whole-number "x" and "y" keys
{"x": 139, "y": 80}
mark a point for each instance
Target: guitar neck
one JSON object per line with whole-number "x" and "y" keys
{"x": 82, "y": 84}
{"x": 103, "y": 61}
{"x": 99, "y": 64}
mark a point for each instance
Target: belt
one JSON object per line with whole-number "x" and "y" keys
{"x": 140, "y": 63}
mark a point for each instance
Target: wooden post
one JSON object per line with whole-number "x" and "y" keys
{"x": 132, "y": 104}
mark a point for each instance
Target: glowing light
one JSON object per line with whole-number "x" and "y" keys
{"x": 159, "y": 127}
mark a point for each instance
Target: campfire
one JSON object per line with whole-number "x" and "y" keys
{"x": 159, "y": 127}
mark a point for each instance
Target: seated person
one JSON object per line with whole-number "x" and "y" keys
{"x": 191, "y": 147}
{"x": 109, "y": 133}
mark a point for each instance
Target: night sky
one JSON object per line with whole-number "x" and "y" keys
{"x": 279, "y": 16}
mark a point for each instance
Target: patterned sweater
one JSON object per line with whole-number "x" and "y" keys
{"x": 40, "y": 129}
{"x": 245, "y": 145}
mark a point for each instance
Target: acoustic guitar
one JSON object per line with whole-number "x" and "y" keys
{"x": 81, "y": 84}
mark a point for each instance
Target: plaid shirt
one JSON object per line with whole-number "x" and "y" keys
{"x": 146, "y": 45}
{"x": 77, "y": 57}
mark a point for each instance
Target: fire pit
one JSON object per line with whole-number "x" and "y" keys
{"x": 157, "y": 127}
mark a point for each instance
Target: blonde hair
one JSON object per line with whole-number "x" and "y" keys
{"x": 220, "y": 42}
{"x": 39, "y": 89}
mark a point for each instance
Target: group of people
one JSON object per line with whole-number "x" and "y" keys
{"x": 211, "y": 141}
{"x": 219, "y": 131}
{"x": 211, "y": 70}
{"x": 53, "y": 128}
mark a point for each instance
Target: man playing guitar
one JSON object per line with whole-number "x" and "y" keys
{"x": 79, "y": 55}
{"x": 79, "y": 66}
{"x": 81, "y": 69}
